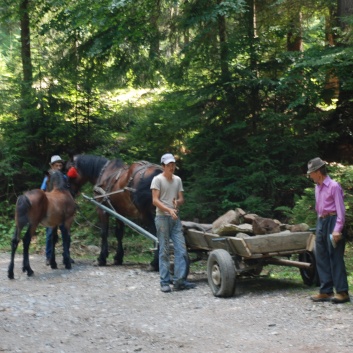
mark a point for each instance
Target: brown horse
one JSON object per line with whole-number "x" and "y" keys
{"x": 124, "y": 188}
{"x": 51, "y": 209}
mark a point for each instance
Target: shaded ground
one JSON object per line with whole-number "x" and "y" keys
{"x": 121, "y": 309}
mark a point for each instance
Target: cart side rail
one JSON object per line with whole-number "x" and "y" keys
{"x": 255, "y": 246}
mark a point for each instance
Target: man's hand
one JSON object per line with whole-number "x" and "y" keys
{"x": 336, "y": 236}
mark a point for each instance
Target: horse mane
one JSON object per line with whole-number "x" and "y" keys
{"x": 90, "y": 165}
{"x": 58, "y": 181}
{"x": 118, "y": 163}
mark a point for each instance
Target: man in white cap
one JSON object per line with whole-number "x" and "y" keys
{"x": 330, "y": 242}
{"x": 56, "y": 163}
{"x": 168, "y": 195}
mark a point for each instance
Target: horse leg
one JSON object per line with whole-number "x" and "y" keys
{"x": 54, "y": 240}
{"x": 26, "y": 243}
{"x": 66, "y": 246}
{"x": 104, "y": 220}
{"x": 119, "y": 233}
{"x": 14, "y": 244}
{"x": 154, "y": 264}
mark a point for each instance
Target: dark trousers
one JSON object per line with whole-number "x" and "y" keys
{"x": 329, "y": 260}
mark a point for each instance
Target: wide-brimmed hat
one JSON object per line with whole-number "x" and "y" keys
{"x": 55, "y": 159}
{"x": 167, "y": 158}
{"x": 315, "y": 164}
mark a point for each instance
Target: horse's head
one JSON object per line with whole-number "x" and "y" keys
{"x": 75, "y": 181}
{"x": 56, "y": 180}
{"x": 84, "y": 169}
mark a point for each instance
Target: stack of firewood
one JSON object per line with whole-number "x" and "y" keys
{"x": 241, "y": 224}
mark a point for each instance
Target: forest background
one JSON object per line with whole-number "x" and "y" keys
{"x": 244, "y": 92}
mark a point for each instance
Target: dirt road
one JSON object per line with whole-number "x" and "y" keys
{"x": 121, "y": 309}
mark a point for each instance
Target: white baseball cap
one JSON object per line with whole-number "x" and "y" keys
{"x": 55, "y": 159}
{"x": 167, "y": 158}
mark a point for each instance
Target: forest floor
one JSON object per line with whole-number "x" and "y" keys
{"x": 121, "y": 309}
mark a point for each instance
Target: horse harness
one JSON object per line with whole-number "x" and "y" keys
{"x": 114, "y": 177}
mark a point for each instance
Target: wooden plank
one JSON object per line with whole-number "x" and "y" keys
{"x": 311, "y": 242}
{"x": 196, "y": 239}
{"x": 278, "y": 242}
{"x": 238, "y": 246}
{"x": 210, "y": 237}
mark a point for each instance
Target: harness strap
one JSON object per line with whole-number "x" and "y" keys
{"x": 102, "y": 192}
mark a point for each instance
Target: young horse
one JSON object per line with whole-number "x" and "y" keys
{"x": 50, "y": 209}
{"x": 124, "y": 188}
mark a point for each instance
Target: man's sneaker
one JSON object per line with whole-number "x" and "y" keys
{"x": 165, "y": 289}
{"x": 341, "y": 297}
{"x": 183, "y": 286}
{"x": 322, "y": 297}
{"x": 47, "y": 262}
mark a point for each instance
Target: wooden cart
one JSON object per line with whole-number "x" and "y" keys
{"x": 230, "y": 257}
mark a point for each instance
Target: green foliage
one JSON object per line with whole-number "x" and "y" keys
{"x": 304, "y": 209}
{"x": 242, "y": 112}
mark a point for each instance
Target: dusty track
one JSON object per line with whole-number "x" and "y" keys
{"x": 121, "y": 309}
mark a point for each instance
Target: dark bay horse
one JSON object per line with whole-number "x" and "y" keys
{"x": 125, "y": 189}
{"x": 50, "y": 209}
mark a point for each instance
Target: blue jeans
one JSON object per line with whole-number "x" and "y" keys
{"x": 169, "y": 229}
{"x": 49, "y": 240}
{"x": 329, "y": 260}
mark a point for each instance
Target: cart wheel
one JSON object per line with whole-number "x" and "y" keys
{"x": 221, "y": 273}
{"x": 310, "y": 276}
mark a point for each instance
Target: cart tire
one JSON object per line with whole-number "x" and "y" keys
{"x": 221, "y": 273}
{"x": 310, "y": 276}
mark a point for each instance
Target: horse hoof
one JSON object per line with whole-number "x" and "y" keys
{"x": 30, "y": 273}
{"x": 101, "y": 262}
{"x": 54, "y": 266}
{"x": 11, "y": 276}
{"x": 68, "y": 266}
{"x": 152, "y": 268}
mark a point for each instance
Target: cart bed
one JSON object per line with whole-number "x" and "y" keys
{"x": 252, "y": 247}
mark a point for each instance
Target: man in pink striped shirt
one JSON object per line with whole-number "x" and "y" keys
{"x": 330, "y": 242}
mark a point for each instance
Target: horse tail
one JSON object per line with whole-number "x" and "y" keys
{"x": 23, "y": 206}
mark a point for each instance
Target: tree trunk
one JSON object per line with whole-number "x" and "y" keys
{"x": 223, "y": 46}
{"x": 344, "y": 9}
{"x": 331, "y": 89}
{"x": 294, "y": 35}
{"x": 26, "y": 45}
{"x": 342, "y": 118}
{"x": 254, "y": 103}
{"x": 155, "y": 36}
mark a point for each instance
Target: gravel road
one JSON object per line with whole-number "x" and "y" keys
{"x": 121, "y": 309}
